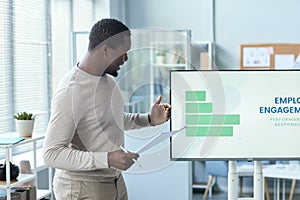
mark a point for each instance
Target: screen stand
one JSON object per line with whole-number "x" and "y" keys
{"x": 233, "y": 181}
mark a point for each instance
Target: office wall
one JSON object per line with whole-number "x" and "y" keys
{"x": 101, "y": 9}
{"x": 236, "y": 22}
{"x": 171, "y": 14}
{"x": 158, "y": 178}
{"x": 167, "y": 183}
{"x": 253, "y": 21}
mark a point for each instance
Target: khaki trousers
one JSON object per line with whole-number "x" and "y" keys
{"x": 67, "y": 189}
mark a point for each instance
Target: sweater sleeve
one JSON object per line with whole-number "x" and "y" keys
{"x": 135, "y": 120}
{"x": 57, "y": 152}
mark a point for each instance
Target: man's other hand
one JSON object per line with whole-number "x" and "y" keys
{"x": 121, "y": 160}
{"x": 160, "y": 113}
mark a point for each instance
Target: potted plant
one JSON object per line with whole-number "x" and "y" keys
{"x": 24, "y": 123}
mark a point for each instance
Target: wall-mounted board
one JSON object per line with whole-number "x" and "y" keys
{"x": 279, "y": 56}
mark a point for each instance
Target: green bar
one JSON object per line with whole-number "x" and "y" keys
{"x": 198, "y": 107}
{"x": 195, "y": 119}
{"x": 195, "y": 95}
{"x": 207, "y": 131}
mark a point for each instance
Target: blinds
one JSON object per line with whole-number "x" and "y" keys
{"x": 25, "y": 66}
{"x": 5, "y": 65}
{"x": 28, "y": 68}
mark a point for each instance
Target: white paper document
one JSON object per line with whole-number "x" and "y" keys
{"x": 157, "y": 139}
{"x": 297, "y": 62}
{"x": 257, "y": 56}
{"x": 284, "y": 61}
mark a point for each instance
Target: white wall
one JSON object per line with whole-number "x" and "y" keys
{"x": 158, "y": 178}
{"x": 255, "y": 21}
{"x": 167, "y": 183}
{"x": 101, "y": 9}
{"x": 191, "y": 14}
{"x": 248, "y": 21}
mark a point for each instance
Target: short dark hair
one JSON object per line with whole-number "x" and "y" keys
{"x": 103, "y": 31}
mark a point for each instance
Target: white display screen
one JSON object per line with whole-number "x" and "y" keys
{"x": 235, "y": 115}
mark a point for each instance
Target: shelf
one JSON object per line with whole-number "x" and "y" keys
{"x": 28, "y": 156}
{"x": 22, "y": 178}
{"x": 42, "y": 193}
{"x": 26, "y": 140}
{"x": 32, "y": 154}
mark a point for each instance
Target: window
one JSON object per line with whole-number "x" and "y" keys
{"x": 24, "y": 61}
{"x": 35, "y": 53}
{"x": 5, "y": 63}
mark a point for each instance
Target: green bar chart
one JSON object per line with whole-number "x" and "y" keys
{"x": 195, "y": 95}
{"x": 209, "y": 131}
{"x": 202, "y": 122}
{"x": 198, "y": 107}
{"x": 204, "y": 119}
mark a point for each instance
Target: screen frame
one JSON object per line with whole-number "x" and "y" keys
{"x": 227, "y": 158}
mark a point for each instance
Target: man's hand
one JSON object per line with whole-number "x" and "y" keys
{"x": 120, "y": 160}
{"x": 160, "y": 113}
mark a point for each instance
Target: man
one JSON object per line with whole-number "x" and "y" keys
{"x": 87, "y": 123}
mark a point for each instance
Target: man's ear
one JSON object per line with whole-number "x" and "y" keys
{"x": 104, "y": 50}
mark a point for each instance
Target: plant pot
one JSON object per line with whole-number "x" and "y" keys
{"x": 25, "y": 127}
{"x": 160, "y": 59}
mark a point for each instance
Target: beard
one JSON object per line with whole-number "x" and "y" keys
{"x": 112, "y": 71}
{"x": 113, "y": 68}
{"x": 114, "y": 74}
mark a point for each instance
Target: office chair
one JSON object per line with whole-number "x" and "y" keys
{"x": 214, "y": 169}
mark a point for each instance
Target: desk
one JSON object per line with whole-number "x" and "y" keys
{"x": 244, "y": 170}
{"x": 247, "y": 170}
{"x": 285, "y": 172}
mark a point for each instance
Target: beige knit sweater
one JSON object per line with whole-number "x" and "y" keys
{"x": 87, "y": 121}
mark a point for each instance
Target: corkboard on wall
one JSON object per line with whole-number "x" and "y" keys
{"x": 269, "y": 56}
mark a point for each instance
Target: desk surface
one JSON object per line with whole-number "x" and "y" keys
{"x": 285, "y": 172}
{"x": 247, "y": 169}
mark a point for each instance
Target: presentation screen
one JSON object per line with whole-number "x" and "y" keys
{"x": 235, "y": 115}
